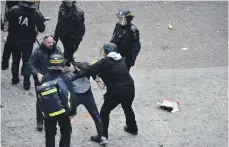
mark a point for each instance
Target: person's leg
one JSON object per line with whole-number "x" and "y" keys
{"x": 26, "y": 53}
{"x": 91, "y": 107}
{"x": 16, "y": 52}
{"x": 126, "y": 102}
{"x": 6, "y": 55}
{"x": 65, "y": 131}
{"x": 50, "y": 132}
{"x": 38, "y": 110}
{"x": 110, "y": 102}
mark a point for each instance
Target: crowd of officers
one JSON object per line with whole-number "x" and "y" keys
{"x": 25, "y": 21}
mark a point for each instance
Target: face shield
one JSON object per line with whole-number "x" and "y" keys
{"x": 121, "y": 19}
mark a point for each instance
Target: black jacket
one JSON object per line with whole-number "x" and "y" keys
{"x": 114, "y": 74}
{"x": 39, "y": 59}
{"x": 24, "y": 23}
{"x": 70, "y": 23}
{"x": 49, "y": 76}
{"x": 128, "y": 41}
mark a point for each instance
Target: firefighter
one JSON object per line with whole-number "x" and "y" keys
{"x": 126, "y": 36}
{"x": 70, "y": 28}
{"x": 60, "y": 101}
{"x": 24, "y": 22}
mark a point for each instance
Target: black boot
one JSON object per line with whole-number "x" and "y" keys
{"x": 15, "y": 80}
{"x": 133, "y": 132}
{"x": 39, "y": 126}
{"x": 26, "y": 85}
{"x": 5, "y": 65}
{"x": 101, "y": 140}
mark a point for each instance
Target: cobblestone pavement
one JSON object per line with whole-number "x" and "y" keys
{"x": 197, "y": 77}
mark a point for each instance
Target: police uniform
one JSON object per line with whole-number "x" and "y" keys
{"x": 24, "y": 22}
{"x": 70, "y": 28}
{"x": 127, "y": 39}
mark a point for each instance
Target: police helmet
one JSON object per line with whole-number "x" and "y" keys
{"x": 124, "y": 16}
{"x": 56, "y": 62}
{"x": 27, "y": 3}
{"x": 110, "y": 47}
{"x": 68, "y": 3}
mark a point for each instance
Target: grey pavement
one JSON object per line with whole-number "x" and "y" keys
{"x": 197, "y": 77}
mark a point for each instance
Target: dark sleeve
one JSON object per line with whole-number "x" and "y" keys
{"x": 9, "y": 13}
{"x": 80, "y": 19}
{"x": 32, "y": 61}
{"x": 113, "y": 35}
{"x": 90, "y": 71}
{"x": 40, "y": 21}
{"x": 58, "y": 20}
{"x": 136, "y": 45}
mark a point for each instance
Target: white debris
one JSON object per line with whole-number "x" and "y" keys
{"x": 187, "y": 9}
{"x": 158, "y": 24}
{"x": 171, "y": 104}
{"x": 184, "y": 49}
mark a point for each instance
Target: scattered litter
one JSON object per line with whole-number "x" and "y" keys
{"x": 184, "y": 49}
{"x": 170, "y": 26}
{"x": 169, "y": 104}
{"x": 165, "y": 119}
{"x": 161, "y": 144}
{"x": 187, "y": 9}
{"x": 158, "y": 24}
{"x": 86, "y": 128}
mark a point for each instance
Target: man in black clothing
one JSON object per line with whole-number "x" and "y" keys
{"x": 24, "y": 22}
{"x": 127, "y": 37}
{"x": 70, "y": 28}
{"x": 120, "y": 87}
{"x": 38, "y": 64}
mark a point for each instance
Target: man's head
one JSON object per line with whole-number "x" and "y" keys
{"x": 107, "y": 48}
{"x": 48, "y": 41}
{"x": 124, "y": 16}
{"x": 27, "y": 3}
{"x": 68, "y": 3}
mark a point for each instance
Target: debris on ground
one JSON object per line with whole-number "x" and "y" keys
{"x": 184, "y": 49}
{"x": 170, "y": 104}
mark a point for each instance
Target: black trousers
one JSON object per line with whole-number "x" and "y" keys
{"x": 111, "y": 101}
{"x": 88, "y": 101}
{"x": 6, "y": 54}
{"x": 65, "y": 130}
{"x": 21, "y": 50}
{"x": 70, "y": 47}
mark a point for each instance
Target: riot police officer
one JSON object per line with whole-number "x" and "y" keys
{"x": 126, "y": 37}
{"x": 24, "y": 22}
{"x": 38, "y": 64}
{"x": 70, "y": 28}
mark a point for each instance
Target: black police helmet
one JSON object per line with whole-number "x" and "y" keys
{"x": 125, "y": 12}
{"x": 110, "y": 47}
{"x": 68, "y": 3}
{"x": 56, "y": 62}
{"x": 27, "y": 3}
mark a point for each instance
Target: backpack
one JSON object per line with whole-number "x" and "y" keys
{"x": 54, "y": 98}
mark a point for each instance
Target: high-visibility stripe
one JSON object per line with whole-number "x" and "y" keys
{"x": 57, "y": 113}
{"x": 55, "y": 60}
{"x": 43, "y": 113}
{"x": 49, "y": 92}
{"x": 69, "y": 96}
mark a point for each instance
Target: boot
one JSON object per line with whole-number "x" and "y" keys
{"x": 126, "y": 129}
{"x": 101, "y": 140}
{"x": 5, "y": 66}
{"x": 26, "y": 85}
{"x": 15, "y": 80}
